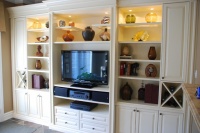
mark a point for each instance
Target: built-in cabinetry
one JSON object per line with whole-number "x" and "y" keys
{"x": 30, "y": 103}
{"x": 169, "y": 35}
{"x": 130, "y": 62}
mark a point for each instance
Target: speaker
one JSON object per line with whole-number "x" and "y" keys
{"x": 100, "y": 96}
{"x": 61, "y": 91}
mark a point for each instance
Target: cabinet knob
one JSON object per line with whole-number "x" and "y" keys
{"x": 93, "y": 118}
{"x": 65, "y": 112}
{"x": 65, "y": 122}
{"x": 161, "y": 114}
{"x": 134, "y": 110}
{"x": 163, "y": 77}
{"x": 93, "y": 128}
{"x": 138, "y": 111}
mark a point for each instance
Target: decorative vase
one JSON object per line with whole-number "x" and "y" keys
{"x": 151, "y": 17}
{"x": 38, "y": 64}
{"x": 152, "y": 53}
{"x": 130, "y": 18}
{"x": 71, "y": 23}
{"x": 141, "y": 93}
{"x": 39, "y": 53}
{"x": 47, "y": 24}
{"x": 62, "y": 23}
{"x": 126, "y": 92}
{"x": 88, "y": 34}
{"x": 68, "y": 36}
{"x": 105, "y": 36}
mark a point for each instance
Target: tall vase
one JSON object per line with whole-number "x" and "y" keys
{"x": 152, "y": 53}
{"x": 38, "y": 64}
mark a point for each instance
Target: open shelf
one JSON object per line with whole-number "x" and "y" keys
{"x": 135, "y": 101}
{"x": 140, "y": 60}
{"x": 38, "y": 30}
{"x": 38, "y": 43}
{"x": 154, "y": 24}
{"x": 70, "y": 28}
{"x": 139, "y": 42}
{"x": 139, "y": 78}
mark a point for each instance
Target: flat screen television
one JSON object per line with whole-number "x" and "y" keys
{"x": 85, "y": 67}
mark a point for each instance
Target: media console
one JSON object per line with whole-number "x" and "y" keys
{"x": 81, "y": 94}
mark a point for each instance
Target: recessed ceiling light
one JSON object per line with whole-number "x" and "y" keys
{"x": 106, "y": 12}
{"x": 152, "y": 9}
{"x": 130, "y": 10}
{"x": 70, "y": 16}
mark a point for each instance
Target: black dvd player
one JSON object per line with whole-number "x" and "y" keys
{"x": 82, "y": 105}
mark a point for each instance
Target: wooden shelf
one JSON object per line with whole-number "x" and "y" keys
{"x": 102, "y": 26}
{"x": 140, "y": 60}
{"x": 37, "y": 57}
{"x": 84, "y": 42}
{"x": 38, "y": 30}
{"x": 139, "y": 78}
{"x": 154, "y": 24}
{"x": 70, "y": 28}
{"x": 139, "y": 42}
{"x": 90, "y": 101}
{"x": 41, "y": 70}
{"x": 38, "y": 43}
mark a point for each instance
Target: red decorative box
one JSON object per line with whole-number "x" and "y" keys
{"x": 37, "y": 81}
{"x": 151, "y": 93}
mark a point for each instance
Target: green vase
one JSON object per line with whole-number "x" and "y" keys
{"x": 130, "y": 18}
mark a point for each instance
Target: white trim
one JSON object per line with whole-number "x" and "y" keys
{"x": 8, "y": 115}
{"x": 1, "y": 85}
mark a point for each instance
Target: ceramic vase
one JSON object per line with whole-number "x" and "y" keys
{"x": 68, "y": 36}
{"x": 152, "y": 53}
{"x": 38, "y": 64}
{"x": 88, "y": 34}
{"x": 126, "y": 92}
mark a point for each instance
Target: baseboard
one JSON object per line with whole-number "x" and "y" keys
{"x": 8, "y": 115}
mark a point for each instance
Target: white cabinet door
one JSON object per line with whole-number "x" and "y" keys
{"x": 125, "y": 120}
{"x": 170, "y": 122}
{"x": 34, "y": 104}
{"x": 21, "y": 97}
{"x": 146, "y": 121}
{"x": 45, "y": 106}
{"x": 175, "y": 41}
{"x": 20, "y": 43}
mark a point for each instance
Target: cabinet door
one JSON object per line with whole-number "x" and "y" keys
{"x": 45, "y": 106}
{"x": 146, "y": 121}
{"x": 170, "y": 122}
{"x": 21, "y": 98}
{"x": 175, "y": 41}
{"x": 34, "y": 104}
{"x": 20, "y": 43}
{"x": 125, "y": 120}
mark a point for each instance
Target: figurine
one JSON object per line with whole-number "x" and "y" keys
{"x": 39, "y": 53}
{"x": 134, "y": 67}
{"x": 105, "y": 36}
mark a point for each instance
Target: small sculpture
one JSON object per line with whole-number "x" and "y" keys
{"x": 105, "y": 20}
{"x": 141, "y": 36}
{"x": 71, "y": 23}
{"x": 125, "y": 51}
{"x": 68, "y": 36}
{"x": 105, "y": 36}
{"x": 62, "y": 23}
{"x": 42, "y": 38}
{"x": 39, "y": 53}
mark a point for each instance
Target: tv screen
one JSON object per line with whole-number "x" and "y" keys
{"x": 86, "y": 66}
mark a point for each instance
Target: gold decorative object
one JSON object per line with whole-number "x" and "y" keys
{"x": 151, "y": 17}
{"x": 36, "y": 25}
{"x": 130, "y": 18}
{"x": 141, "y": 36}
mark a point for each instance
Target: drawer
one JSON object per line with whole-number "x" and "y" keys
{"x": 90, "y": 117}
{"x": 67, "y": 113}
{"x": 93, "y": 128}
{"x": 69, "y": 123}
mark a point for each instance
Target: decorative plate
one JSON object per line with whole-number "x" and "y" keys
{"x": 151, "y": 71}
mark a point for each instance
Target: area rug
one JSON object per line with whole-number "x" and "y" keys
{"x": 13, "y": 127}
